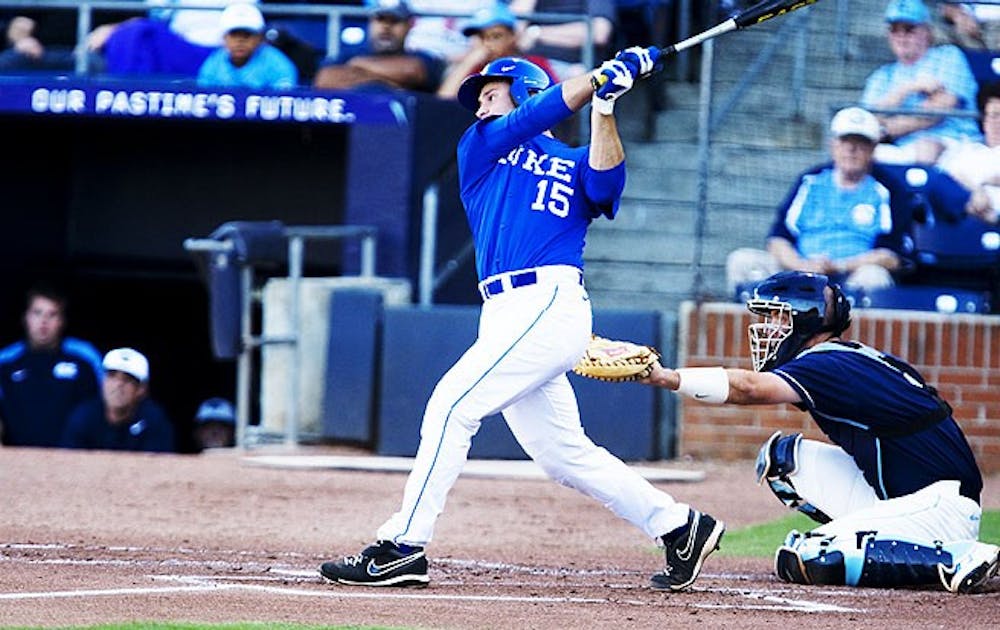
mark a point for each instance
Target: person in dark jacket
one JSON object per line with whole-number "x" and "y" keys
{"x": 124, "y": 418}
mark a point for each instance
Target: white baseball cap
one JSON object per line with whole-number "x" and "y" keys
{"x": 855, "y": 121}
{"x": 129, "y": 361}
{"x": 241, "y": 17}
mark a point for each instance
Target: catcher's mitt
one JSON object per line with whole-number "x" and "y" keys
{"x": 615, "y": 361}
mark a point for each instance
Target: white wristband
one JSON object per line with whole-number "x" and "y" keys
{"x": 707, "y": 384}
{"x": 601, "y": 106}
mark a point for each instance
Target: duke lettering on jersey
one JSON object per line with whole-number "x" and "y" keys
{"x": 559, "y": 168}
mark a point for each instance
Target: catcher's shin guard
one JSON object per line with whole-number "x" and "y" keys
{"x": 821, "y": 564}
{"x": 860, "y": 561}
{"x": 891, "y": 563}
{"x": 776, "y": 460}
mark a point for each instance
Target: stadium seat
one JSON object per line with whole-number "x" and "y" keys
{"x": 939, "y": 299}
{"x": 964, "y": 256}
{"x": 968, "y": 244}
{"x": 985, "y": 65}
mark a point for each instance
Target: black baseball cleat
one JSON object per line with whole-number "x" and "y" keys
{"x": 972, "y": 571}
{"x": 686, "y": 548}
{"x": 382, "y": 563}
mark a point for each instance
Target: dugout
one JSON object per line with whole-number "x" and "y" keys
{"x": 100, "y": 192}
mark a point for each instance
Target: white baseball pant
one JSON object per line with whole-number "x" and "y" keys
{"x": 529, "y": 337}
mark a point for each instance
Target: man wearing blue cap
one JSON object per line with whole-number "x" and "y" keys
{"x": 493, "y": 34}
{"x": 215, "y": 424}
{"x": 923, "y": 77}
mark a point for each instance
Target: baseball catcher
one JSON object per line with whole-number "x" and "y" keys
{"x": 897, "y": 494}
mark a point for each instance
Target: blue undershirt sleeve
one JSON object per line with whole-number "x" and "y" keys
{"x": 604, "y": 188}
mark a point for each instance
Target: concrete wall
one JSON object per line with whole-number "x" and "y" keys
{"x": 314, "y": 327}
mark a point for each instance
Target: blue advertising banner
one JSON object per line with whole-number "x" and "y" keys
{"x": 78, "y": 96}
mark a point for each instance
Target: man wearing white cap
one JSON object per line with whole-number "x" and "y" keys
{"x": 849, "y": 219}
{"x": 124, "y": 418}
{"x": 245, "y": 59}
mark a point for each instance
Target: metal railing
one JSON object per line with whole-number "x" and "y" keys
{"x": 250, "y": 342}
{"x": 333, "y": 13}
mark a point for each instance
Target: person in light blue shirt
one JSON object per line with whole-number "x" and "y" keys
{"x": 850, "y": 219}
{"x": 245, "y": 59}
{"x": 923, "y": 77}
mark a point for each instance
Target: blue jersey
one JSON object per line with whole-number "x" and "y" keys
{"x": 267, "y": 68}
{"x": 824, "y": 219}
{"x": 150, "y": 429}
{"x": 529, "y": 198}
{"x": 818, "y": 218}
{"x": 879, "y": 410}
{"x": 39, "y": 389}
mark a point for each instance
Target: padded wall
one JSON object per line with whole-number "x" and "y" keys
{"x": 349, "y": 395}
{"x": 419, "y": 345}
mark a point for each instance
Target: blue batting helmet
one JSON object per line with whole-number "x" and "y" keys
{"x": 795, "y": 307}
{"x": 526, "y": 80}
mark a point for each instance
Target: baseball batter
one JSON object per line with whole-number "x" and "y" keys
{"x": 529, "y": 199}
{"x": 898, "y": 494}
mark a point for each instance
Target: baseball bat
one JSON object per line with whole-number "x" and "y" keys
{"x": 760, "y": 12}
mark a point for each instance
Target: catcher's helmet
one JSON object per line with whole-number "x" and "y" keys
{"x": 526, "y": 80}
{"x": 795, "y": 307}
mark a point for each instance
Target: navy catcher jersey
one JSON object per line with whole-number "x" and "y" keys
{"x": 529, "y": 197}
{"x": 38, "y": 390}
{"x": 879, "y": 410}
{"x": 150, "y": 429}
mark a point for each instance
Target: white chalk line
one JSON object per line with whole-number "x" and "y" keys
{"x": 202, "y": 583}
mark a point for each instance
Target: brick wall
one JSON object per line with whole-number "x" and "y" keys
{"x": 958, "y": 354}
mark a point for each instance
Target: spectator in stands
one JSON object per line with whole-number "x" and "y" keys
{"x": 45, "y": 376}
{"x": 123, "y": 418}
{"x": 387, "y": 63}
{"x": 441, "y": 35}
{"x": 37, "y": 40}
{"x": 849, "y": 219}
{"x": 643, "y": 21}
{"x": 245, "y": 59}
{"x": 973, "y": 25}
{"x": 977, "y": 164}
{"x": 493, "y": 31}
{"x": 923, "y": 77}
{"x": 174, "y": 42}
{"x": 562, "y": 43}
{"x": 215, "y": 424}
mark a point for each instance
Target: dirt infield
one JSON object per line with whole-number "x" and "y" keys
{"x": 99, "y": 537}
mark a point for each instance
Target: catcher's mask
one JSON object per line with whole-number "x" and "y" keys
{"x": 795, "y": 306}
{"x": 526, "y": 79}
